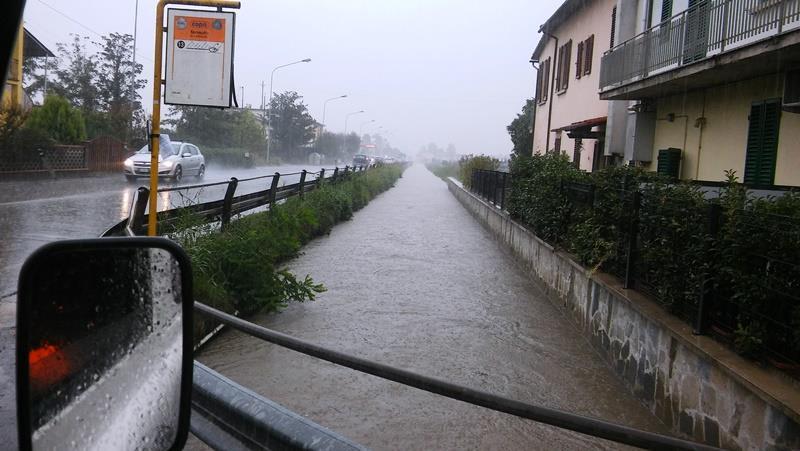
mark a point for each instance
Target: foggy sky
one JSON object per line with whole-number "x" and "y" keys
{"x": 443, "y": 71}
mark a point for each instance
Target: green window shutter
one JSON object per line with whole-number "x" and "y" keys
{"x": 666, "y": 10}
{"x": 669, "y": 162}
{"x": 762, "y": 142}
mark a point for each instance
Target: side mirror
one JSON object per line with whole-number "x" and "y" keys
{"x": 104, "y": 345}
{"x": 186, "y": 154}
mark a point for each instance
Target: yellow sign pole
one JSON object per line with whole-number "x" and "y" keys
{"x": 155, "y": 132}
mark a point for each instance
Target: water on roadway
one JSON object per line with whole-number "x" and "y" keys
{"x": 414, "y": 281}
{"x": 38, "y": 211}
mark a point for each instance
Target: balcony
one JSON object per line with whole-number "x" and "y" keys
{"x": 690, "y": 49}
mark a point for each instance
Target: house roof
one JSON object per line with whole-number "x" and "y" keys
{"x": 588, "y": 123}
{"x": 562, "y": 14}
{"x": 32, "y": 47}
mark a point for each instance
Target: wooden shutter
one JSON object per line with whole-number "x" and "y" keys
{"x": 762, "y": 142}
{"x": 567, "y": 53}
{"x": 559, "y": 63}
{"x": 613, "y": 25}
{"x": 546, "y": 80}
{"x": 579, "y": 61}
{"x": 587, "y": 52}
{"x": 666, "y": 10}
{"x": 538, "y": 91}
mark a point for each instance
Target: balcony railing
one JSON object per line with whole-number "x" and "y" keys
{"x": 709, "y": 28}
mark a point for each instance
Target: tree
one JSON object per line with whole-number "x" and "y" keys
{"x": 76, "y": 80}
{"x": 291, "y": 124}
{"x": 352, "y": 144}
{"x": 58, "y": 120}
{"x": 520, "y": 130}
{"x": 117, "y": 86}
{"x": 218, "y": 128}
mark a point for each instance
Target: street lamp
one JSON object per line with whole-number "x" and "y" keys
{"x": 269, "y": 115}
{"x": 346, "y": 117}
{"x": 361, "y": 129}
{"x": 325, "y": 106}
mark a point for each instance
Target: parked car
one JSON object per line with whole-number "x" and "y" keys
{"x": 361, "y": 160}
{"x": 175, "y": 160}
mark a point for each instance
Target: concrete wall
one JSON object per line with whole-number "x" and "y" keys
{"x": 580, "y": 101}
{"x": 699, "y": 388}
{"x": 721, "y": 143}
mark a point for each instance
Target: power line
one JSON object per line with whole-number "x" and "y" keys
{"x": 85, "y": 27}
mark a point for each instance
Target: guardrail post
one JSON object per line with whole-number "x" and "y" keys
{"x": 321, "y": 178}
{"x": 302, "y": 183}
{"x": 707, "y": 292}
{"x": 227, "y": 202}
{"x": 273, "y": 188}
{"x": 633, "y": 237}
{"x": 335, "y": 174}
{"x": 346, "y": 168}
{"x": 136, "y": 221}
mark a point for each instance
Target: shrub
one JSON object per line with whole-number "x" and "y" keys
{"x": 445, "y": 169}
{"x": 58, "y": 120}
{"x": 468, "y": 163}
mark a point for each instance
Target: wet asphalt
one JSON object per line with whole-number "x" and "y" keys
{"x": 414, "y": 281}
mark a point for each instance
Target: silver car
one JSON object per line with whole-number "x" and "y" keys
{"x": 176, "y": 159}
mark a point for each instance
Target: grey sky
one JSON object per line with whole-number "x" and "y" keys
{"x": 428, "y": 71}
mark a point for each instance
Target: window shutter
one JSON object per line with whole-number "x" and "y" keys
{"x": 666, "y": 10}
{"x": 567, "y": 62}
{"x": 539, "y": 84}
{"x": 762, "y": 142}
{"x": 559, "y": 63}
{"x": 546, "y": 80}
{"x": 588, "y": 50}
{"x": 613, "y": 25}
{"x": 579, "y": 61}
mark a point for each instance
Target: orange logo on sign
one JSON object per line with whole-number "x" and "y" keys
{"x": 199, "y": 29}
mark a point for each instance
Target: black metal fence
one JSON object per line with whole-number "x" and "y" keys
{"x": 230, "y": 205}
{"x": 492, "y": 186}
{"x": 734, "y": 275}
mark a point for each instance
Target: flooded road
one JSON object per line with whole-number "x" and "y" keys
{"x": 38, "y": 211}
{"x": 414, "y": 281}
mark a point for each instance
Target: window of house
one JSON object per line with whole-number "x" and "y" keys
{"x": 666, "y": 10}
{"x": 579, "y": 60}
{"x": 588, "y": 50}
{"x": 562, "y": 66}
{"x": 543, "y": 81}
{"x": 557, "y": 143}
{"x": 762, "y": 142}
{"x": 613, "y": 25}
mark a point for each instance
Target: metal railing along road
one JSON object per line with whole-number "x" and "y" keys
{"x": 222, "y": 210}
{"x": 708, "y": 28}
{"x": 492, "y": 186}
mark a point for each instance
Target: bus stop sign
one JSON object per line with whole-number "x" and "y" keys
{"x": 199, "y": 60}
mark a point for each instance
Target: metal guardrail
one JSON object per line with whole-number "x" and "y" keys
{"x": 565, "y": 420}
{"x": 230, "y": 417}
{"x": 230, "y": 205}
{"x": 709, "y": 28}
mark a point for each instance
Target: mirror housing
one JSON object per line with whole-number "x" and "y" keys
{"x": 104, "y": 345}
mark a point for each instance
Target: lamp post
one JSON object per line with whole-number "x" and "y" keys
{"x": 346, "y": 118}
{"x": 325, "y": 107}
{"x": 361, "y": 129}
{"x": 269, "y": 114}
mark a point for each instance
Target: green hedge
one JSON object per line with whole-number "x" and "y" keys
{"x": 753, "y": 260}
{"x": 239, "y": 269}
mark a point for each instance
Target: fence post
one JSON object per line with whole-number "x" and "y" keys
{"x": 321, "y": 177}
{"x": 136, "y": 221}
{"x": 335, "y": 177}
{"x": 346, "y": 168}
{"x": 227, "y": 202}
{"x": 708, "y": 293}
{"x": 503, "y": 193}
{"x": 302, "y": 183}
{"x": 273, "y": 188}
{"x": 781, "y": 16}
{"x": 633, "y": 236}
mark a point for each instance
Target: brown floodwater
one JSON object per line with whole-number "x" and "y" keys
{"x": 414, "y": 281}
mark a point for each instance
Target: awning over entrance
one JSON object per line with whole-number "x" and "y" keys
{"x": 583, "y": 129}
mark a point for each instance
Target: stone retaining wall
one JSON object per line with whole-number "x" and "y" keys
{"x": 696, "y": 386}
